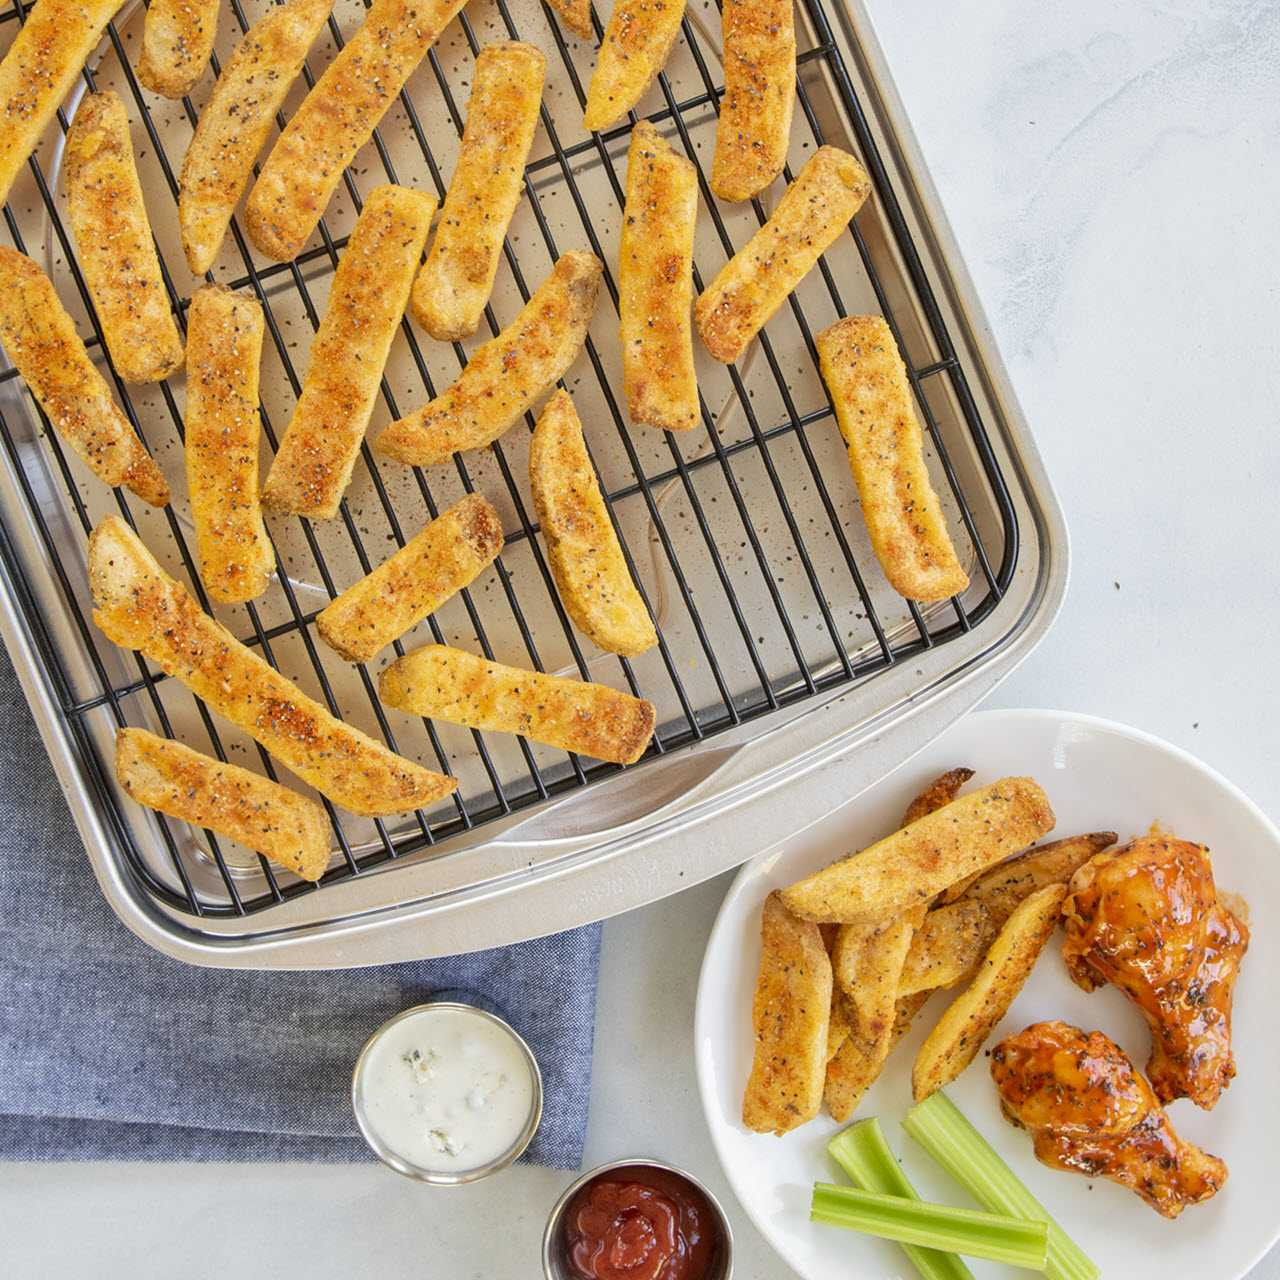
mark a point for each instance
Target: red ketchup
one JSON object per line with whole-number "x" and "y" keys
{"x": 640, "y": 1224}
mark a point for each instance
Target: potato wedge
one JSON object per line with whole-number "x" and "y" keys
{"x": 942, "y": 790}
{"x": 973, "y": 1015}
{"x": 289, "y": 829}
{"x": 450, "y": 684}
{"x": 586, "y": 557}
{"x": 840, "y": 1024}
{"x": 507, "y": 374}
{"x": 141, "y": 607}
{"x": 904, "y": 1014}
{"x": 41, "y": 340}
{"x": 790, "y": 1014}
{"x": 868, "y": 385}
{"x": 367, "y": 298}
{"x": 236, "y": 120}
{"x": 177, "y": 39}
{"x": 1001, "y": 889}
{"x": 114, "y": 244}
{"x": 760, "y": 277}
{"x": 759, "y": 96}
{"x": 447, "y": 555}
{"x": 655, "y": 284}
{"x": 947, "y": 947}
{"x": 451, "y": 290}
{"x": 38, "y": 71}
{"x": 224, "y": 345}
{"x": 907, "y": 868}
{"x": 576, "y": 15}
{"x": 337, "y": 118}
{"x": 636, "y": 45}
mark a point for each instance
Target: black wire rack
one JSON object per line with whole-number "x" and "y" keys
{"x": 744, "y": 535}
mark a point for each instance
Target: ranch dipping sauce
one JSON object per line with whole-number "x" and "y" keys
{"x": 446, "y": 1093}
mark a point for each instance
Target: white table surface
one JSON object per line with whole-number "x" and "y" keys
{"x": 1112, "y": 172}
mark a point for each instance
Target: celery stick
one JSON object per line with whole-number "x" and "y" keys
{"x": 862, "y": 1152}
{"x": 942, "y": 1130}
{"x": 1016, "y": 1241}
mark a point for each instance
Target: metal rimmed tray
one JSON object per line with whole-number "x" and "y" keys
{"x": 789, "y": 675}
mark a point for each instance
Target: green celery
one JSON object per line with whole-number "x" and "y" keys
{"x": 862, "y": 1152}
{"x": 1017, "y": 1241}
{"x": 938, "y": 1125}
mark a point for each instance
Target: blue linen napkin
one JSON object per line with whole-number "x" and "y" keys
{"x": 109, "y": 1050}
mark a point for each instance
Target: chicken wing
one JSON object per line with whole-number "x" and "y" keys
{"x": 1147, "y": 918}
{"x": 1090, "y": 1111}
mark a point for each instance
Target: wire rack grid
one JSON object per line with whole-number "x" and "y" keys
{"x": 744, "y": 537}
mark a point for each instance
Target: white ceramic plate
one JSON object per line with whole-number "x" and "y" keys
{"x": 1099, "y": 776}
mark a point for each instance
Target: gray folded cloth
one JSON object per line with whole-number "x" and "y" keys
{"x": 109, "y": 1050}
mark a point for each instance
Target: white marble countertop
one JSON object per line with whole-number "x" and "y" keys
{"x": 1112, "y": 172}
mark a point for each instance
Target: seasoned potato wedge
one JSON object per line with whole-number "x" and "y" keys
{"x": 973, "y": 1015}
{"x": 907, "y": 868}
{"x": 655, "y": 284}
{"x": 336, "y": 119}
{"x": 42, "y": 342}
{"x": 942, "y": 790}
{"x": 872, "y": 397}
{"x": 635, "y": 48}
{"x": 904, "y": 1014}
{"x": 449, "y": 684}
{"x": 947, "y": 947}
{"x": 114, "y": 244}
{"x": 759, "y": 96}
{"x": 290, "y": 829}
{"x": 224, "y": 346}
{"x": 367, "y": 298}
{"x": 177, "y": 39}
{"x": 586, "y": 557}
{"x": 1001, "y": 889}
{"x": 576, "y": 15}
{"x": 760, "y": 277}
{"x": 38, "y": 71}
{"x": 236, "y": 120}
{"x": 141, "y": 607}
{"x": 790, "y": 1014}
{"x": 451, "y": 290}
{"x": 840, "y": 1024}
{"x": 507, "y": 374}
{"x": 443, "y": 558}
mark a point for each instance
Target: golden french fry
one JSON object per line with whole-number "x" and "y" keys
{"x": 141, "y": 607}
{"x": 909, "y": 867}
{"x": 790, "y": 1013}
{"x": 224, "y": 350}
{"x": 318, "y": 451}
{"x": 759, "y": 96}
{"x": 507, "y": 374}
{"x": 635, "y": 48}
{"x": 576, "y": 15}
{"x": 760, "y": 277}
{"x": 114, "y": 244}
{"x": 973, "y": 1015}
{"x": 868, "y": 384}
{"x": 451, "y": 290}
{"x": 450, "y": 684}
{"x": 1002, "y": 888}
{"x": 38, "y": 71}
{"x": 290, "y": 829}
{"x": 42, "y": 342}
{"x": 236, "y": 120}
{"x": 337, "y": 118}
{"x": 444, "y": 557}
{"x": 177, "y": 39}
{"x": 655, "y": 284}
{"x": 942, "y": 790}
{"x": 947, "y": 947}
{"x": 872, "y": 991}
{"x": 586, "y": 557}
